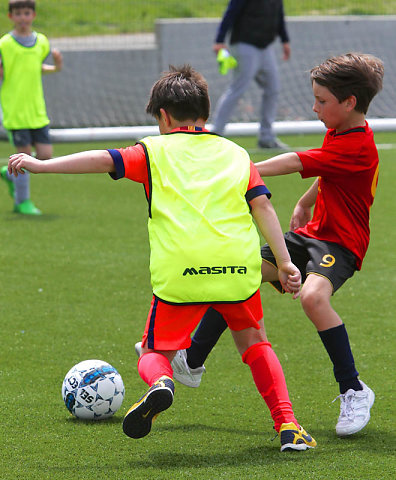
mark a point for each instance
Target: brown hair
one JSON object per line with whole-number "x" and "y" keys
{"x": 13, "y": 4}
{"x": 183, "y": 92}
{"x": 355, "y": 74}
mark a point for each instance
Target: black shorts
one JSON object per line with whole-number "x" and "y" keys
{"x": 326, "y": 259}
{"x": 25, "y": 137}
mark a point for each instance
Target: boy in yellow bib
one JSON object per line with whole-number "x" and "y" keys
{"x": 203, "y": 193}
{"x": 22, "y": 53}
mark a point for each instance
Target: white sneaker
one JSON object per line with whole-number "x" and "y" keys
{"x": 354, "y": 410}
{"x": 138, "y": 349}
{"x": 191, "y": 377}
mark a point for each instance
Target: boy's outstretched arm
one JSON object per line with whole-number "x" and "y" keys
{"x": 302, "y": 211}
{"x": 92, "y": 161}
{"x": 280, "y": 165}
{"x": 267, "y": 221}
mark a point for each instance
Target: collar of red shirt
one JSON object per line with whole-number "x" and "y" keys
{"x": 190, "y": 128}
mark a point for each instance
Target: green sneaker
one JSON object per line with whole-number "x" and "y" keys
{"x": 226, "y": 61}
{"x": 27, "y": 207}
{"x": 9, "y": 183}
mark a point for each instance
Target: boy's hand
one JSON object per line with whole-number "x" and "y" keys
{"x": 218, "y": 46}
{"x": 300, "y": 217}
{"x": 58, "y": 59}
{"x": 290, "y": 278}
{"x": 19, "y": 162}
{"x": 286, "y": 51}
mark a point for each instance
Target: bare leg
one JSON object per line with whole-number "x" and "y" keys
{"x": 43, "y": 151}
{"x": 244, "y": 339}
{"x": 315, "y": 300}
{"x": 169, "y": 354}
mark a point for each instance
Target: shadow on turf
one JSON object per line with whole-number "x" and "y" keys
{"x": 370, "y": 439}
{"x": 105, "y": 421}
{"x": 14, "y": 217}
{"x": 196, "y": 458}
{"x": 328, "y": 444}
{"x": 211, "y": 428}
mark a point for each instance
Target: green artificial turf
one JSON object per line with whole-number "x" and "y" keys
{"x": 75, "y": 285}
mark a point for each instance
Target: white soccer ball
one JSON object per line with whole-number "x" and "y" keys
{"x": 93, "y": 390}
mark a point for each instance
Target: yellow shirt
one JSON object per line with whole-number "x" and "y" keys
{"x": 21, "y": 95}
{"x": 204, "y": 244}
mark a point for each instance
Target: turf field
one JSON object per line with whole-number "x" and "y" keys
{"x": 75, "y": 286}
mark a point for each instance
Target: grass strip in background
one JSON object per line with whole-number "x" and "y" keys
{"x": 103, "y": 17}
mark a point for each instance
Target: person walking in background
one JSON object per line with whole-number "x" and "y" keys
{"x": 22, "y": 53}
{"x": 253, "y": 26}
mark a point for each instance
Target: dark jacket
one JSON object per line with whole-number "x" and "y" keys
{"x": 256, "y": 22}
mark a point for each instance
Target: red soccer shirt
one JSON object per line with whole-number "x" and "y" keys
{"x": 347, "y": 167}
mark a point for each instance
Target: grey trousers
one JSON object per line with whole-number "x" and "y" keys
{"x": 253, "y": 63}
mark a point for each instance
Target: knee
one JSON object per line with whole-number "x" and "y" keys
{"x": 255, "y": 351}
{"x": 44, "y": 151}
{"x": 313, "y": 300}
{"x": 245, "y": 339}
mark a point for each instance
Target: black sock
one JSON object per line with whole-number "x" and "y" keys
{"x": 205, "y": 338}
{"x": 337, "y": 345}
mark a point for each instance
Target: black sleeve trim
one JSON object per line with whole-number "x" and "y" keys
{"x": 256, "y": 192}
{"x": 118, "y": 163}
{"x": 150, "y": 183}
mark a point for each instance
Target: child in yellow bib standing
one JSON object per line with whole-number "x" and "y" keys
{"x": 22, "y": 53}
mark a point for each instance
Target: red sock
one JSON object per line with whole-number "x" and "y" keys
{"x": 152, "y": 366}
{"x": 270, "y": 382}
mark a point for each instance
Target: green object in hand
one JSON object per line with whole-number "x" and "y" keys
{"x": 226, "y": 61}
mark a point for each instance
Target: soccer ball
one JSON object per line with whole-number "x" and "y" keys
{"x": 93, "y": 390}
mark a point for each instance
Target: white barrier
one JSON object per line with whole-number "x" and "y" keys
{"x": 231, "y": 130}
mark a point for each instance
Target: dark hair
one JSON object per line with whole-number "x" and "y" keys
{"x": 13, "y": 4}
{"x": 183, "y": 92}
{"x": 355, "y": 74}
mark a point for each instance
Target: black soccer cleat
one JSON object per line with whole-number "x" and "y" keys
{"x": 159, "y": 397}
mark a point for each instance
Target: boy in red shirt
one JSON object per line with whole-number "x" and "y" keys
{"x": 202, "y": 191}
{"x": 331, "y": 245}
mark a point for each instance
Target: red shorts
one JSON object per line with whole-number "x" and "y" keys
{"x": 169, "y": 327}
